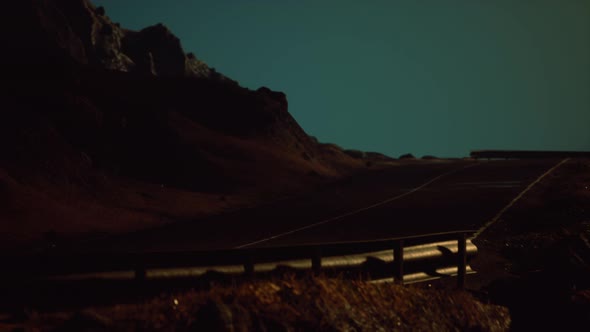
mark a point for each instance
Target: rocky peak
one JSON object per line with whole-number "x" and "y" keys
{"x": 77, "y": 31}
{"x": 106, "y": 41}
{"x": 278, "y": 96}
{"x": 156, "y": 48}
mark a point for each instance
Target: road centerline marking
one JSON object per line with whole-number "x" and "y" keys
{"x": 517, "y": 198}
{"x": 325, "y": 221}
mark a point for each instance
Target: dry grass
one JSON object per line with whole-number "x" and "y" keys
{"x": 289, "y": 304}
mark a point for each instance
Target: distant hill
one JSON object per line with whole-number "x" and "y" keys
{"x": 104, "y": 129}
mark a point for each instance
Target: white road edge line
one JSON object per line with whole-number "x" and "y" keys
{"x": 517, "y": 198}
{"x": 325, "y": 221}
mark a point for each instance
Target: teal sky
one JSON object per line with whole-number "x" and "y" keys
{"x": 423, "y": 76}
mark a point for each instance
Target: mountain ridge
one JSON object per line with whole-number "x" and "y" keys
{"x": 108, "y": 130}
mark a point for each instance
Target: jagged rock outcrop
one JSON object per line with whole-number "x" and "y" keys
{"x": 77, "y": 31}
{"x": 197, "y": 68}
{"x": 102, "y": 39}
{"x": 157, "y": 50}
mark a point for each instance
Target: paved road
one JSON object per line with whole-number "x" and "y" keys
{"x": 409, "y": 199}
{"x": 465, "y": 199}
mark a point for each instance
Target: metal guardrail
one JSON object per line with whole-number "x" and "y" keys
{"x": 527, "y": 154}
{"x": 407, "y": 259}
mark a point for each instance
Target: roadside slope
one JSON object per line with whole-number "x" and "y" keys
{"x": 536, "y": 258}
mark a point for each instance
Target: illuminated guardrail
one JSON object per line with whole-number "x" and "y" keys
{"x": 406, "y": 259}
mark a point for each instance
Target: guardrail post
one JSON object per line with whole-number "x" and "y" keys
{"x": 140, "y": 273}
{"x": 249, "y": 267}
{"x": 316, "y": 262}
{"x": 398, "y": 262}
{"x": 462, "y": 260}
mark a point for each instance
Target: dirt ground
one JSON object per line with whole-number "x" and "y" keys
{"x": 535, "y": 259}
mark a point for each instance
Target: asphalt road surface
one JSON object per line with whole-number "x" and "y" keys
{"x": 412, "y": 199}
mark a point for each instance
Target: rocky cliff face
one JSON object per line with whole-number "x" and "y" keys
{"x": 75, "y": 30}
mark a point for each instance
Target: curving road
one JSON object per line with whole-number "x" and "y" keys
{"x": 415, "y": 198}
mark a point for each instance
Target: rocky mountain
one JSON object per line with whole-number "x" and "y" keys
{"x": 77, "y": 31}
{"x": 104, "y": 129}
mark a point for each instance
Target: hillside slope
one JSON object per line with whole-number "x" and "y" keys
{"x": 104, "y": 129}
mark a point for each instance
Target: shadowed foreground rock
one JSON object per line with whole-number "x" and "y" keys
{"x": 313, "y": 304}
